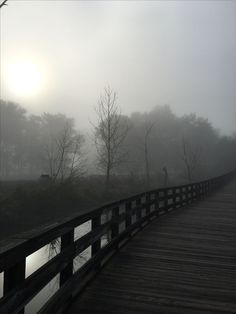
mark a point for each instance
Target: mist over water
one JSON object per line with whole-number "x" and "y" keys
{"x": 170, "y": 67}
{"x": 101, "y": 100}
{"x": 159, "y": 76}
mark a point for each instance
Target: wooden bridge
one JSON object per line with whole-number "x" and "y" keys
{"x": 183, "y": 260}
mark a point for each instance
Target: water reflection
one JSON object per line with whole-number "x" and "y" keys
{"x": 43, "y": 296}
{"x": 43, "y": 255}
{"x": 81, "y": 230}
{"x": 34, "y": 262}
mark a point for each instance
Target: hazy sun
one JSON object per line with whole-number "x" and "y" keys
{"x": 25, "y": 78}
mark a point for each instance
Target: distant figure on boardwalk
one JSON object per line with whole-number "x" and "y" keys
{"x": 166, "y": 177}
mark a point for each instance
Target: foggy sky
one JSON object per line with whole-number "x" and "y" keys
{"x": 152, "y": 53}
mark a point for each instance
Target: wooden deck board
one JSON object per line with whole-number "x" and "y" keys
{"x": 183, "y": 262}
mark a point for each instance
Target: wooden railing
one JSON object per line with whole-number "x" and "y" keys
{"x": 117, "y": 221}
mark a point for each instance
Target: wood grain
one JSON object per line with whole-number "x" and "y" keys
{"x": 183, "y": 262}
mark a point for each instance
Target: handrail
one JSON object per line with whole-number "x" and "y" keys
{"x": 119, "y": 220}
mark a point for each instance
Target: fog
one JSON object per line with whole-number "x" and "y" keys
{"x": 151, "y": 52}
{"x": 113, "y": 113}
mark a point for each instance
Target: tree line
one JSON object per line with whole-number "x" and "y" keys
{"x": 155, "y": 148}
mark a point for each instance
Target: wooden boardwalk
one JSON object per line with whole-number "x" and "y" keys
{"x": 183, "y": 262}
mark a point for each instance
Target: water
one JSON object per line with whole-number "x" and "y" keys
{"x": 40, "y": 257}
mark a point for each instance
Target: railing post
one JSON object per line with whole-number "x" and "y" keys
{"x": 194, "y": 192}
{"x": 115, "y": 222}
{"x": 13, "y": 277}
{"x": 187, "y": 195}
{"x": 181, "y": 196}
{"x": 156, "y": 203}
{"x": 148, "y": 198}
{"x": 208, "y": 187}
{"x": 139, "y": 210}
{"x": 191, "y": 193}
{"x": 174, "y": 198}
{"x": 128, "y": 219}
{"x": 201, "y": 190}
{"x": 166, "y": 200}
{"x": 197, "y": 188}
{"x": 66, "y": 240}
{"x": 96, "y": 246}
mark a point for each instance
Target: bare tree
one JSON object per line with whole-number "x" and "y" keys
{"x": 191, "y": 158}
{"x": 110, "y": 132}
{"x": 64, "y": 156}
{"x": 3, "y": 3}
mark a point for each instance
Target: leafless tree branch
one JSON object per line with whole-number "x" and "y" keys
{"x": 3, "y": 3}
{"x": 110, "y": 133}
{"x": 191, "y": 158}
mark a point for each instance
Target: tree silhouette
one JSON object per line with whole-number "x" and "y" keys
{"x": 3, "y": 3}
{"x": 110, "y": 133}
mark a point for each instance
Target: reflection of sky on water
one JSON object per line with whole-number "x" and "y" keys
{"x": 43, "y": 296}
{"x": 34, "y": 262}
{"x": 39, "y": 258}
{"x": 43, "y": 255}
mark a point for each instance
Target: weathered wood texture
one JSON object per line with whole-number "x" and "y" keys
{"x": 184, "y": 262}
{"x": 117, "y": 221}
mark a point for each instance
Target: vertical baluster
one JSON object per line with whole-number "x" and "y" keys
{"x": 181, "y": 196}
{"x": 96, "y": 246}
{"x": 139, "y": 210}
{"x": 201, "y": 189}
{"x": 197, "y": 191}
{"x": 204, "y": 189}
{"x": 161, "y": 204}
{"x": 14, "y": 276}
{"x": 191, "y": 194}
{"x": 166, "y": 200}
{"x": 187, "y": 195}
{"x": 128, "y": 208}
{"x": 208, "y": 187}
{"x": 156, "y": 203}
{"x": 66, "y": 240}
{"x": 115, "y": 222}
{"x": 148, "y": 198}
{"x": 174, "y": 198}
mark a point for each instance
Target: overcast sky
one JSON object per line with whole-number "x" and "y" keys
{"x": 159, "y": 52}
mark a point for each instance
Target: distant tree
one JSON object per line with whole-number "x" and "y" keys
{"x": 3, "y": 3}
{"x": 110, "y": 133}
{"x": 191, "y": 158}
{"x": 64, "y": 150}
{"x": 12, "y": 139}
{"x": 149, "y": 150}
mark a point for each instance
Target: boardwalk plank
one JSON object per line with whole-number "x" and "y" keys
{"x": 184, "y": 262}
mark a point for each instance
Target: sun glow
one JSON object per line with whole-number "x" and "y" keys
{"x": 25, "y": 78}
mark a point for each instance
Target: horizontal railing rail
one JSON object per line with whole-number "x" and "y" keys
{"x": 110, "y": 227}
